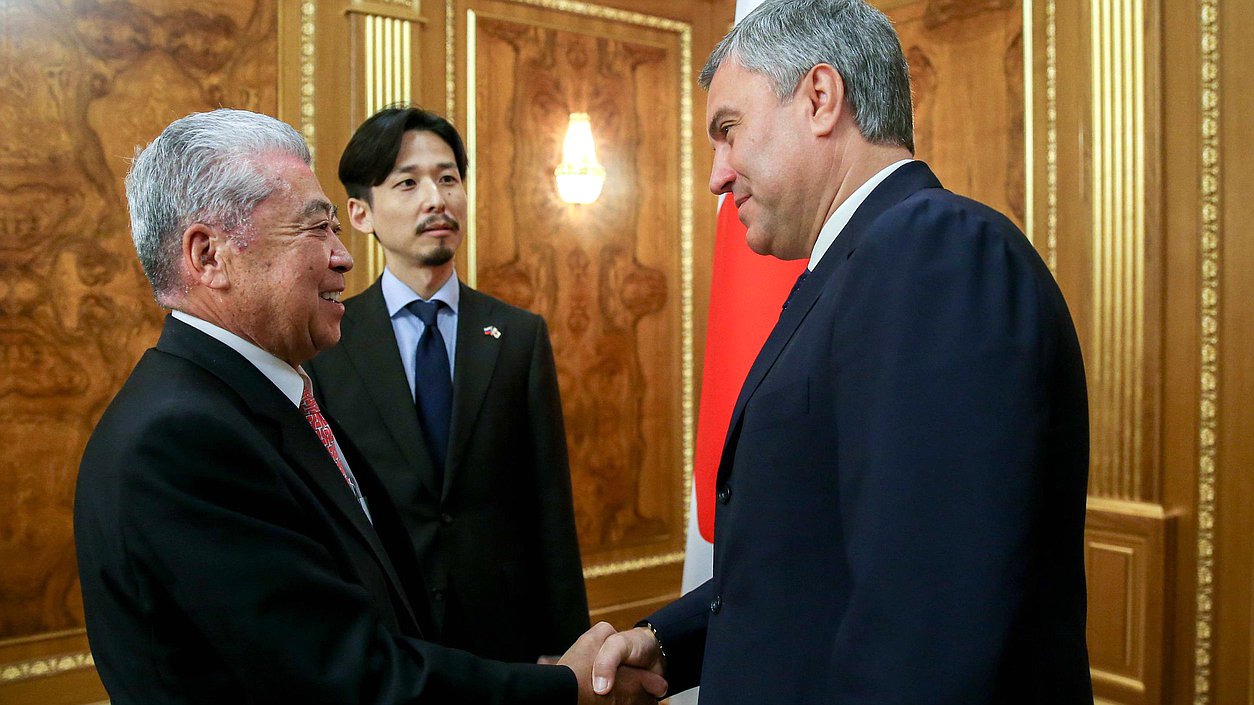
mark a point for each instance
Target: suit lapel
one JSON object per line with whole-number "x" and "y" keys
{"x": 373, "y": 352}
{"x": 903, "y": 182}
{"x": 298, "y": 443}
{"x": 476, "y": 360}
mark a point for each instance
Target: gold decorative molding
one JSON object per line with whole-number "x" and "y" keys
{"x": 450, "y": 62}
{"x": 1051, "y": 135}
{"x": 308, "y": 31}
{"x": 1118, "y": 183}
{"x": 683, "y": 30}
{"x": 472, "y": 147}
{"x": 43, "y": 667}
{"x": 388, "y": 80}
{"x": 1029, "y": 124}
{"x": 600, "y": 571}
{"x": 1208, "y": 410}
{"x": 1126, "y": 508}
{"x": 406, "y": 9}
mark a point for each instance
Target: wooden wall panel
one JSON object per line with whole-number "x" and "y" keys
{"x": 1128, "y": 554}
{"x": 966, "y": 55}
{"x": 81, "y": 83}
{"x": 622, "y": 282}
{"x": 603, "y": 275}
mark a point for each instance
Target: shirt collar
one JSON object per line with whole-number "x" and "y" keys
{"x": 288, "y": 380}
{"x": 397, "y": 294}
{"x": 844, "y": 212}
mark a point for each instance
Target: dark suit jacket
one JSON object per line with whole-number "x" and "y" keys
{"x": 497, "y": 540}
{"x": 224, "y": 560}
{"x": 901, "y": 494}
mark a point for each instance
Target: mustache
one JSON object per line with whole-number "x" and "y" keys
{"x": 433, "y": 222}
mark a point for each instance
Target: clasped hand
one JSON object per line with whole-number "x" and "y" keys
{"x": 616, "y": 668}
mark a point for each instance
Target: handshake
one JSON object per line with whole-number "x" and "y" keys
{"x": 616, "y": 668}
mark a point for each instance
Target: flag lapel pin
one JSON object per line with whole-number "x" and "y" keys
{"x": 492, "y": 331}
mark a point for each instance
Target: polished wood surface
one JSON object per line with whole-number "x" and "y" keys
{"x": 84, "y": 81}
{"x": 605, "y": 275}
{"x": 966, "y": 59}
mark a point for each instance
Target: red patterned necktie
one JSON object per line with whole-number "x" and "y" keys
{"x": 313, "y": 415}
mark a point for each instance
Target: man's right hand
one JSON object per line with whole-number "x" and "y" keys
{"x": 632, "y": 650}
{"x": 625, "y": 685}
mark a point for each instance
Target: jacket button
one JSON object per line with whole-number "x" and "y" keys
{"x": 446, "y": 519}
{"x": 716, "y": 604}
{"x": 437, "y": 595}
{"x": 724, "y": 494}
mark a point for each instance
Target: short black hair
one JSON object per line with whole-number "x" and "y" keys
{"x": 371, "y": 153}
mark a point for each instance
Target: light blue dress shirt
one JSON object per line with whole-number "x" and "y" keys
{"x": 409, "y": 329}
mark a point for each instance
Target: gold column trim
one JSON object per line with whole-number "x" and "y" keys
{"x": 604, "y": 569}
{"x": 1118, "y": 183}
{"x": 1208, "y": 403}
{"x": 684, "y": 32}
{"x": 1051, "y": 135}
{"x": 387, "y": 41}
{"x": 308, "y": 31}
{"x": 450, "y": 61}
{"x": 1029, "y": 125}
{"x": 43, "y": 667}
{"x": 1125, "y": 507}
{"x": 472, "y": 147}
{"x": 385, "y": 8}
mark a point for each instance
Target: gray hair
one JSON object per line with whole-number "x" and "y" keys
{"x": 784, "y": 39}
{"x": 203, "y": 168}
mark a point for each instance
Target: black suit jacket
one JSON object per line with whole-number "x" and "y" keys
{"x": 496, "y": 540}
{"x": 901, "y": 495}
{"x": 224, "y": 560}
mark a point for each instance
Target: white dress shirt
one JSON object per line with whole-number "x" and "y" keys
{"x": 840, "y": 218}
{"x": 409, "y": 329}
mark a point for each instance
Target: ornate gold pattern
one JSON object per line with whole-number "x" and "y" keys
{"x": 1051, "y": 135}
{"x": 1209, "y": 397}
{"x": 1029, "y": 125}
{"x": 51, "y": 666}
{"x": 472, "y": 147}
{"x": 600, "y": 571}
{"x": 1118, "y": 61}
{"x": 684, "y": 32}
{"x": 308, "y": 28}
{"x": 450, "y": 63}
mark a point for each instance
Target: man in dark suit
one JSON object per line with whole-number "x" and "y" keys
{"x": 232, "y": 547}
{"x": 901, "y": 497}
{"x": 482, "y": 479}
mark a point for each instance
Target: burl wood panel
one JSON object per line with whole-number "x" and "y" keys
{"x": 966, "y": 69}
{"x": 81, "y": 83}
{"x": 605, "y": 275}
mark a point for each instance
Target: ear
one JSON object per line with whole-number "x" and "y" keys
{"x": 205, "y": 255}
{"x": 359, "y": 215}
{"x": 822, "y": 92}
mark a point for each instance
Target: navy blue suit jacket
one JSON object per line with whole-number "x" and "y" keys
{"x": 901, "y": 494}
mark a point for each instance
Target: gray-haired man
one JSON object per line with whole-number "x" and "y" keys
{"x": 232, "y": 548}
{"x": 901, "y": 500}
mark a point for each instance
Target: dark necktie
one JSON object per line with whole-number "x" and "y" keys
{"x": 800, "y": 278}
{"x": 433, "y": 383}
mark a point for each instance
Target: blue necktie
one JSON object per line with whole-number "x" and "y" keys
{"x": 433, "y": 384}
{"x": 800, "y": 278}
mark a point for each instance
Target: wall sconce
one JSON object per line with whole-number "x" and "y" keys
{"x": 579, "y": 176}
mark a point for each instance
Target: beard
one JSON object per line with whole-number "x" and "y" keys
{"x": 441, "y": 254}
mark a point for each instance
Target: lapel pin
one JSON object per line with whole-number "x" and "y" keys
{"x": 492, "y": 331}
